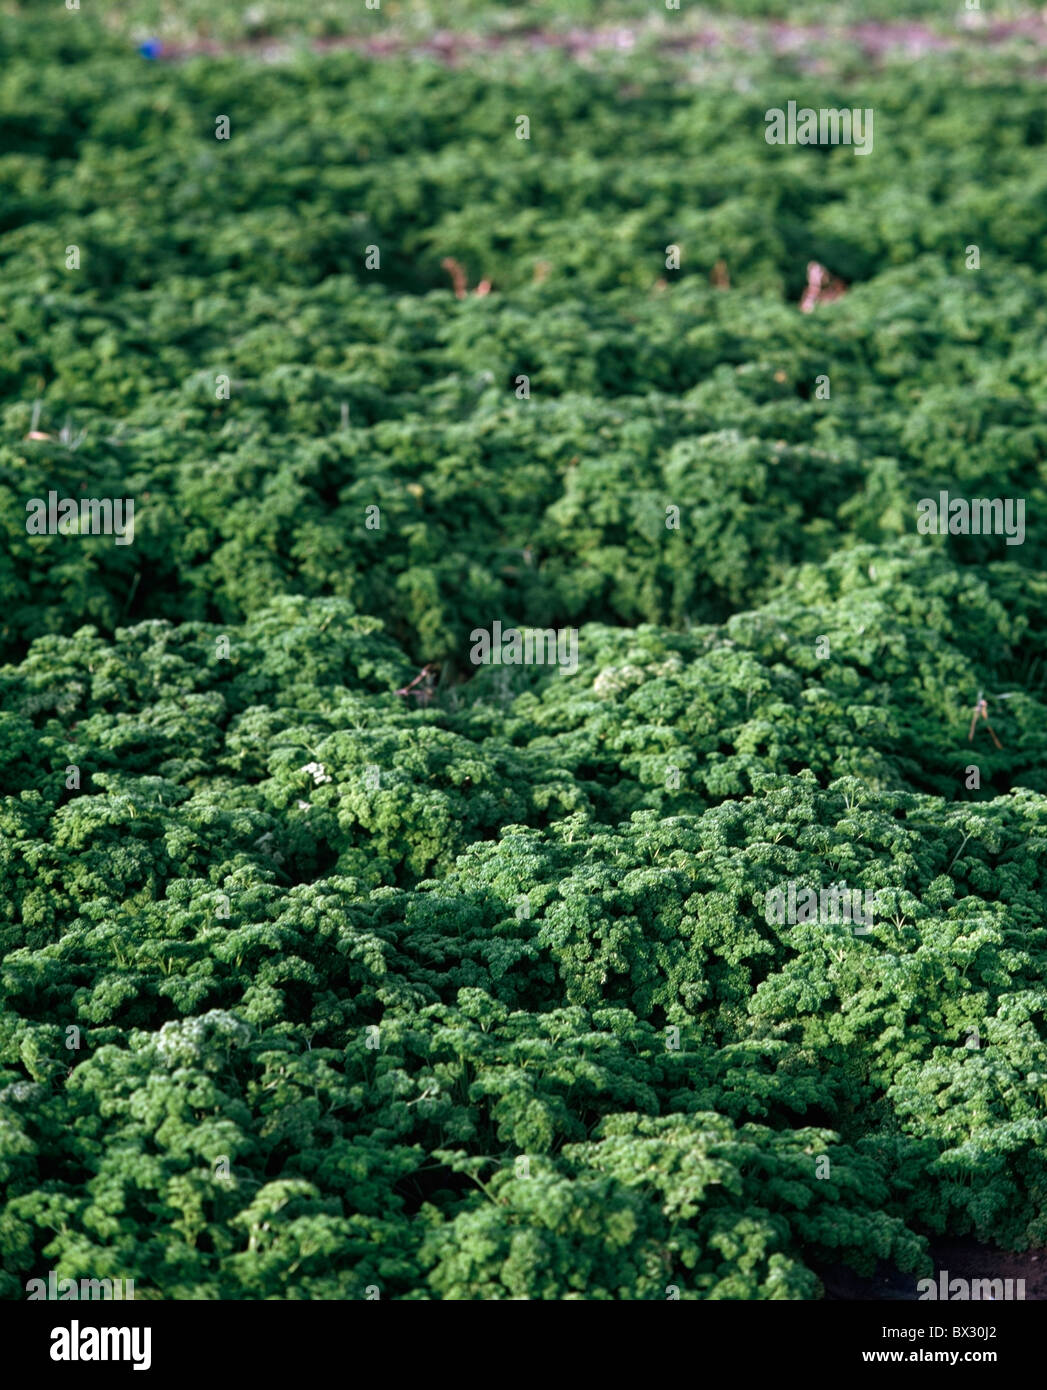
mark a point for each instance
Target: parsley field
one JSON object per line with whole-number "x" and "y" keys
{"x": 340, "y": 959}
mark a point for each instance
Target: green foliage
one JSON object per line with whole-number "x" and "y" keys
{"x": 314, "y": 981}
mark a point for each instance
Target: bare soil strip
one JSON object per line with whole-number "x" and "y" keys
{"x": 874, "y": 40}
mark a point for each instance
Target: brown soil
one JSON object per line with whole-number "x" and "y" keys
{"x": 964, "y": 1259}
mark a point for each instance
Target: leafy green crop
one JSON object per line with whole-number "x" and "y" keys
{"x": 319, "y": 975}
